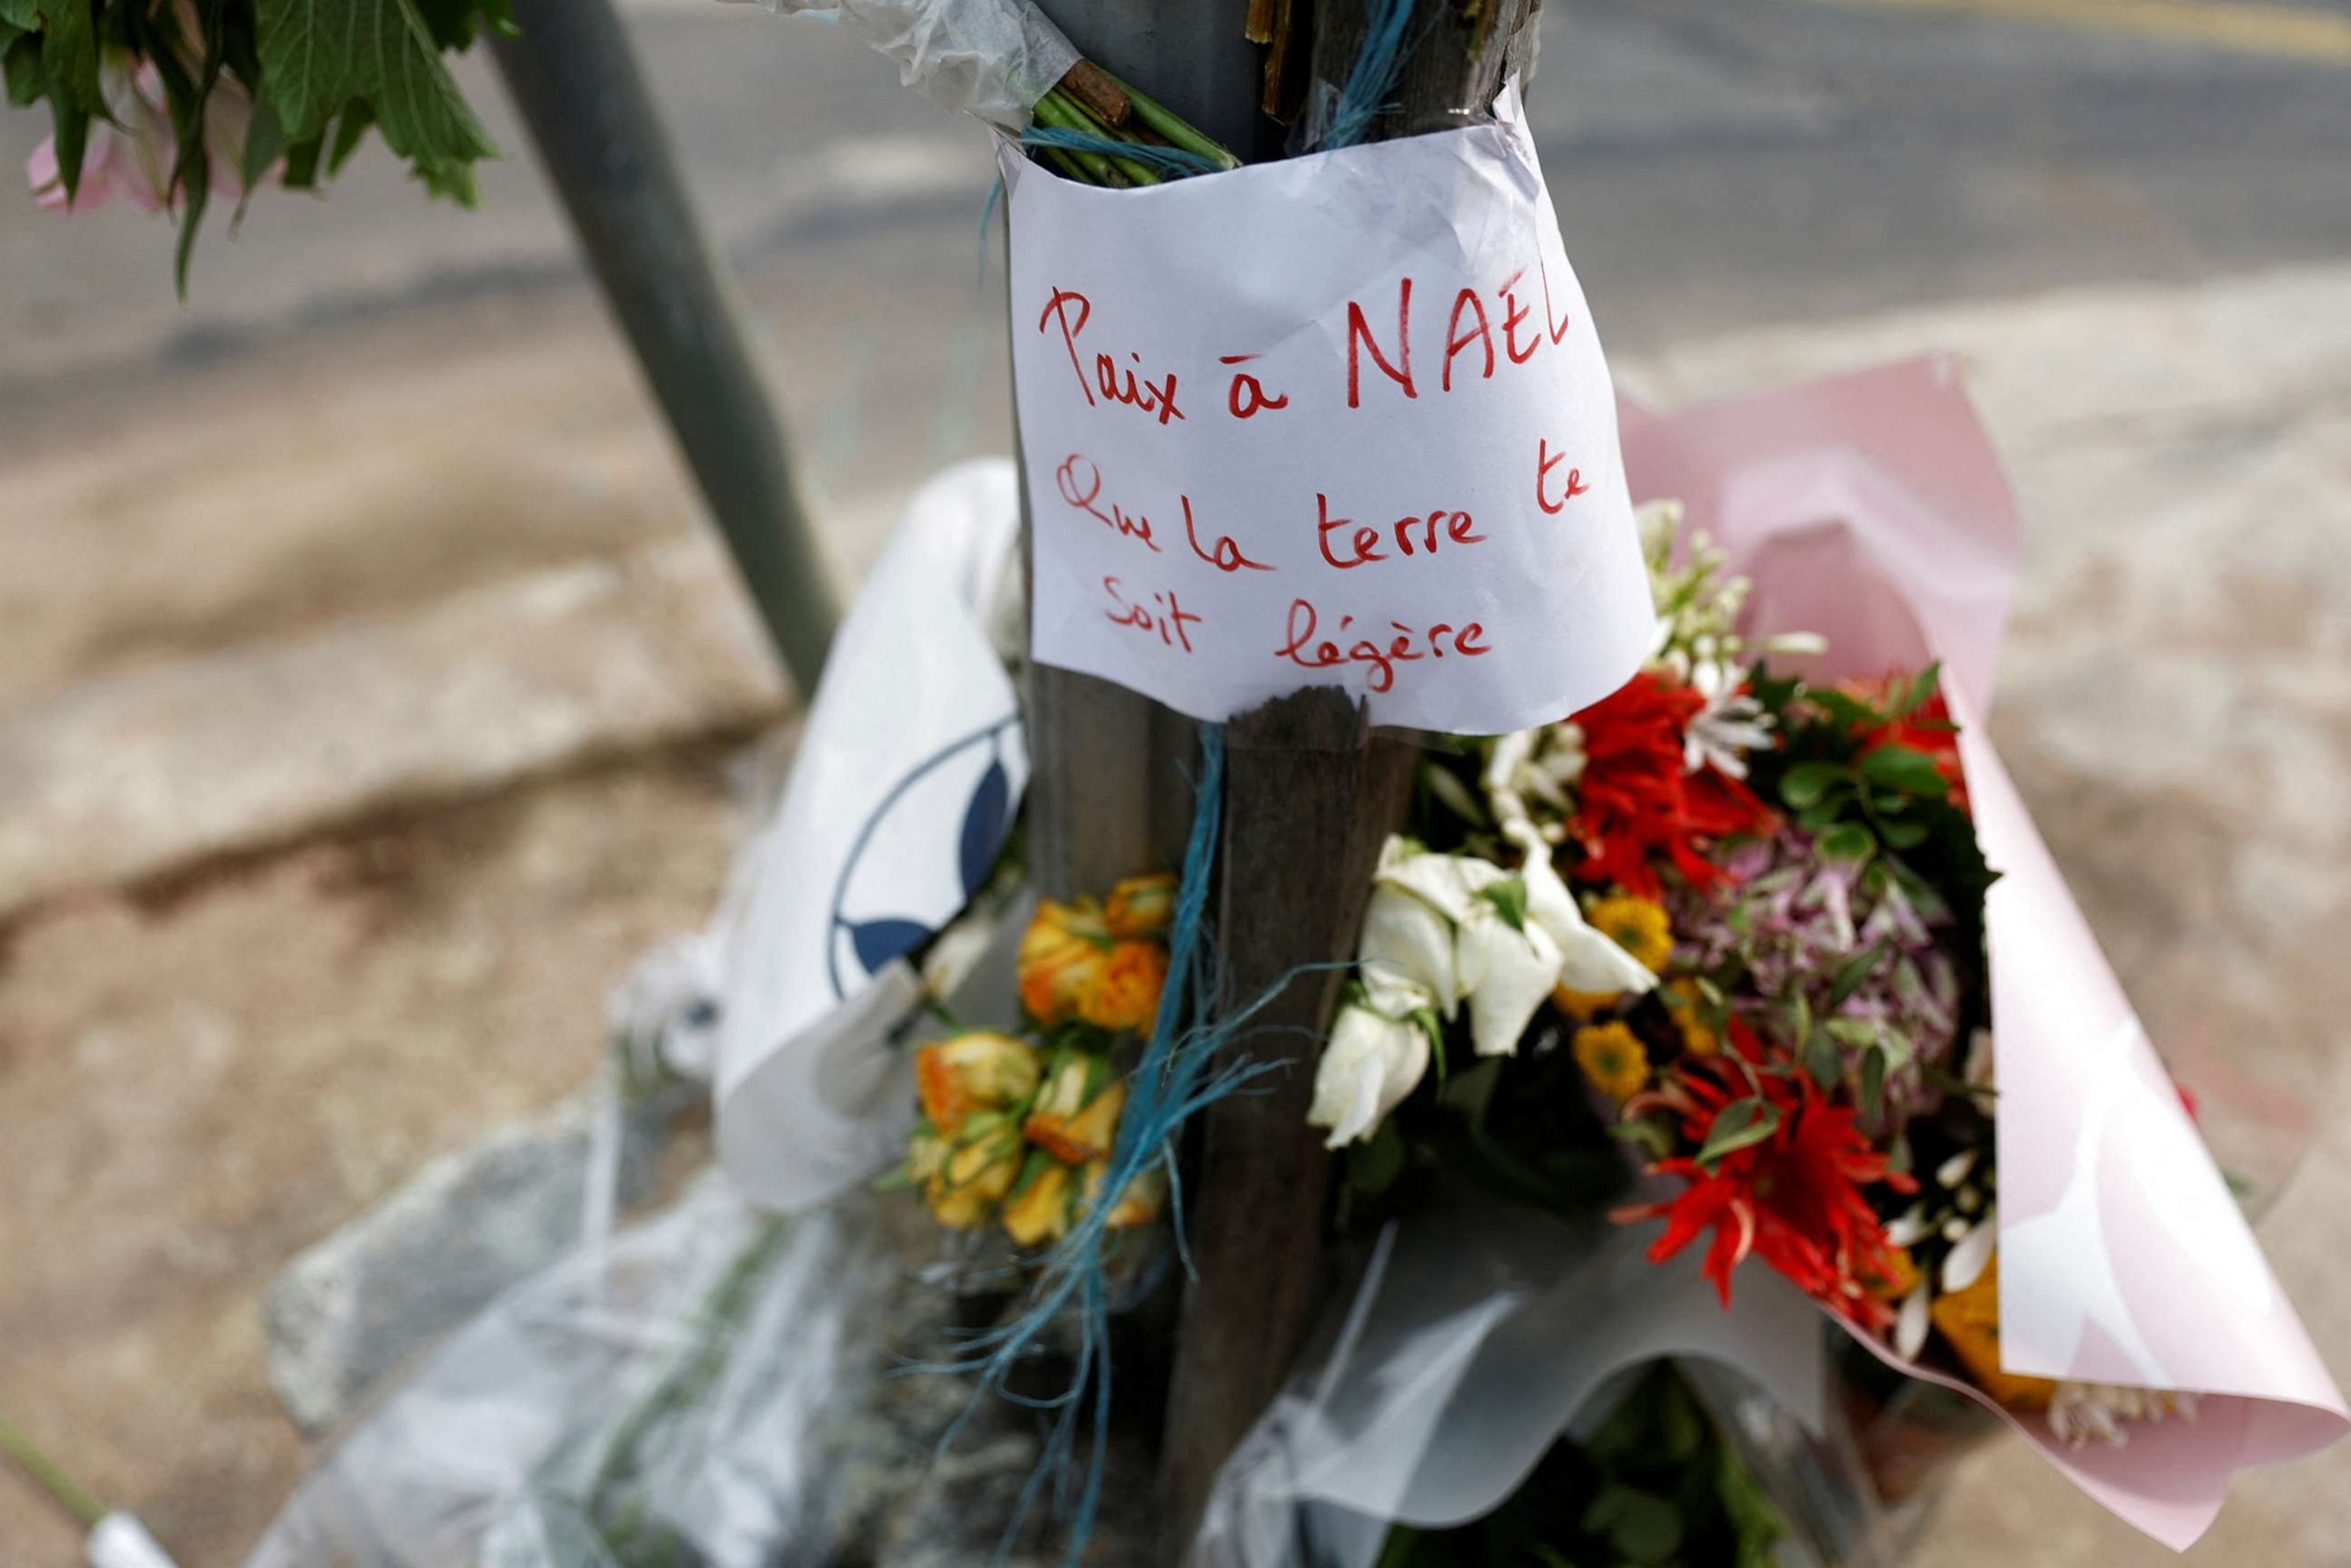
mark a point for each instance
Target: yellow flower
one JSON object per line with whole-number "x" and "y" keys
{"x": 971, "y": 1176}
{"x": 1901, "y": 1277}
{"x": 1063, "y": 956}
{"x": 1041, "y": 1210}
{"x": 1584, "y": 1006}
{"x": 1969, "y": 1322}
{"x": 1128, "y": 997}
{"x": 1638, "y": 925}
{"x": 1612, "y": 1057}
{"x": 1684, "y": 1002}
{"x": 1141, "y": 906}
{"x": 1140, "y": 1204}
{"x": 977, "y": 1071}
{"x": 1076, "y": 1118}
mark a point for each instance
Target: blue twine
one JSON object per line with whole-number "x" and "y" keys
{"x": 1177, "y": 161}
{"x": 1379, "y": 66}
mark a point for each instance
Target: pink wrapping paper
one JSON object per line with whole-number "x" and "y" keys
{"x": 1871, "y": 508}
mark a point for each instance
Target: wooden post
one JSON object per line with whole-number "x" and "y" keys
{"x": 1108, "y": 795}
{"x": 1309, "y": 796}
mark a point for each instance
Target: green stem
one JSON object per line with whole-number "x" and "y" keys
{"x": 1077, "y": 114}
{"x": 1159, "y": 118}
{"x": 50, "y": 1477}
{"x": 1055, "y": 112}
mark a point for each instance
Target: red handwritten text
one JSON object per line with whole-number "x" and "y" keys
{"x": 1080, "y": 485}
{"x": 1378, "y": 653}
{"x": 1119, "y": 384}
{"x": 1226, "y": 555}
{"x": 1163, "y": 615}
{"x": 1545, "y": 461}
{"x": 1470, "y": 327}
{"x": 1247, "y": 395}
{"x": 1365, "y": 544}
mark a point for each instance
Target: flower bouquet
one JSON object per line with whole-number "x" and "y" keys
{"x": 1770, "y": 919}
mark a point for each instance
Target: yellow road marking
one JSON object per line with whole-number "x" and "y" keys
{"x": 2248, "y": 28}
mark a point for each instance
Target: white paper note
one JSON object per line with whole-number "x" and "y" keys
{"x": 1339, "y": 420}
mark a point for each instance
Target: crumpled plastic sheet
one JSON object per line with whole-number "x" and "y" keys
{"x": 489, "y": 1453}
{"x": 1477, "y": 1334}
{"x": 994, "y": 59}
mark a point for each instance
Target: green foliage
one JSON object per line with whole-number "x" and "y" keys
{"x": 1655, "y": 1487}
{"x": 319, "y": 75}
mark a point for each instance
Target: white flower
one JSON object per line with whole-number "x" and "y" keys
{"x": 1406, "y": 943}
{"x": 1964, "y": 1264}
{"x": 1368, "y": 1067}
{"x": 1590, "y": 960}
{"x": 1911, "y": 1323}
{"x": 1506, "y": 972}
{"x": 1534, "y": 769}
{"x": 1729, "y": 726}
{"x": 1447, "y": 884}
{"x": 2083, "y": 1413}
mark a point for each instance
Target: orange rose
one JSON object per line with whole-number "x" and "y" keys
{"x": 1141, "y": 906}
{"x": 977, "y": 1071}
{"x": 1040, "y": 1211}
{"x": 1127, "y": 997}
{"x": 1064, "y": 955}
{"x": 971, "y": 1175}
{"x": 1075, "y": 1119}
{"x": 1144, "y": 1198}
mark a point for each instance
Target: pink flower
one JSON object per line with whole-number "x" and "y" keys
{"x": 132, "y": 155}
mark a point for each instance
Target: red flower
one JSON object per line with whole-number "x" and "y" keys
{"x": 1638, "y": 798}
{"x": 1793, "y": 1199}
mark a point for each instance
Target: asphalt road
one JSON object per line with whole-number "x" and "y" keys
{"x": 1717, "y": 163}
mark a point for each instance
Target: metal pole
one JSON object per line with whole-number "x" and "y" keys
{"x": 576, "y": 82}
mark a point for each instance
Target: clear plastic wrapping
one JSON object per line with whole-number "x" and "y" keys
{"x": 993, "y": 59}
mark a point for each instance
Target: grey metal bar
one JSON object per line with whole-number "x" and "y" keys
{"x": 574, "y": 79}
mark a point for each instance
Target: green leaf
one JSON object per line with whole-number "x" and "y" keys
{"x": 302, "y": 160}
{"x": 1642, "y": 1525}
{"x": 1509, "y": 897}
{"x": 1920, "y": 691}
{"x": 1854, "y": 1033}
{"x": 1902, "y": 835}
{"x": 318, "y": 57}
{"x": 1906, "y": 768}
{"x": 265, "y": 143}
{"x": 1815, "y": 818}
{"x": 1850, "y": 974}
{"x": 1373, "y": 1164}
{"x": 69, "y": 126}
{"x": 1808, "y": 783}
{"x": 21, "y": 63}
{"x": 1823, "y": 1059}
{"x": 69, "y": 54}
{"x": 1653, "y": 1137}
{"x": 1872, "y": 1079}
{"x": 1848, "y": 842}
{"x": 1737, "y": 1125}
{"x": 24, "y": 16}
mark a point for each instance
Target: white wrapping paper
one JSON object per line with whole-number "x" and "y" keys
{"x": 1342, "y": 419}
{"x": 909, "y": 772}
